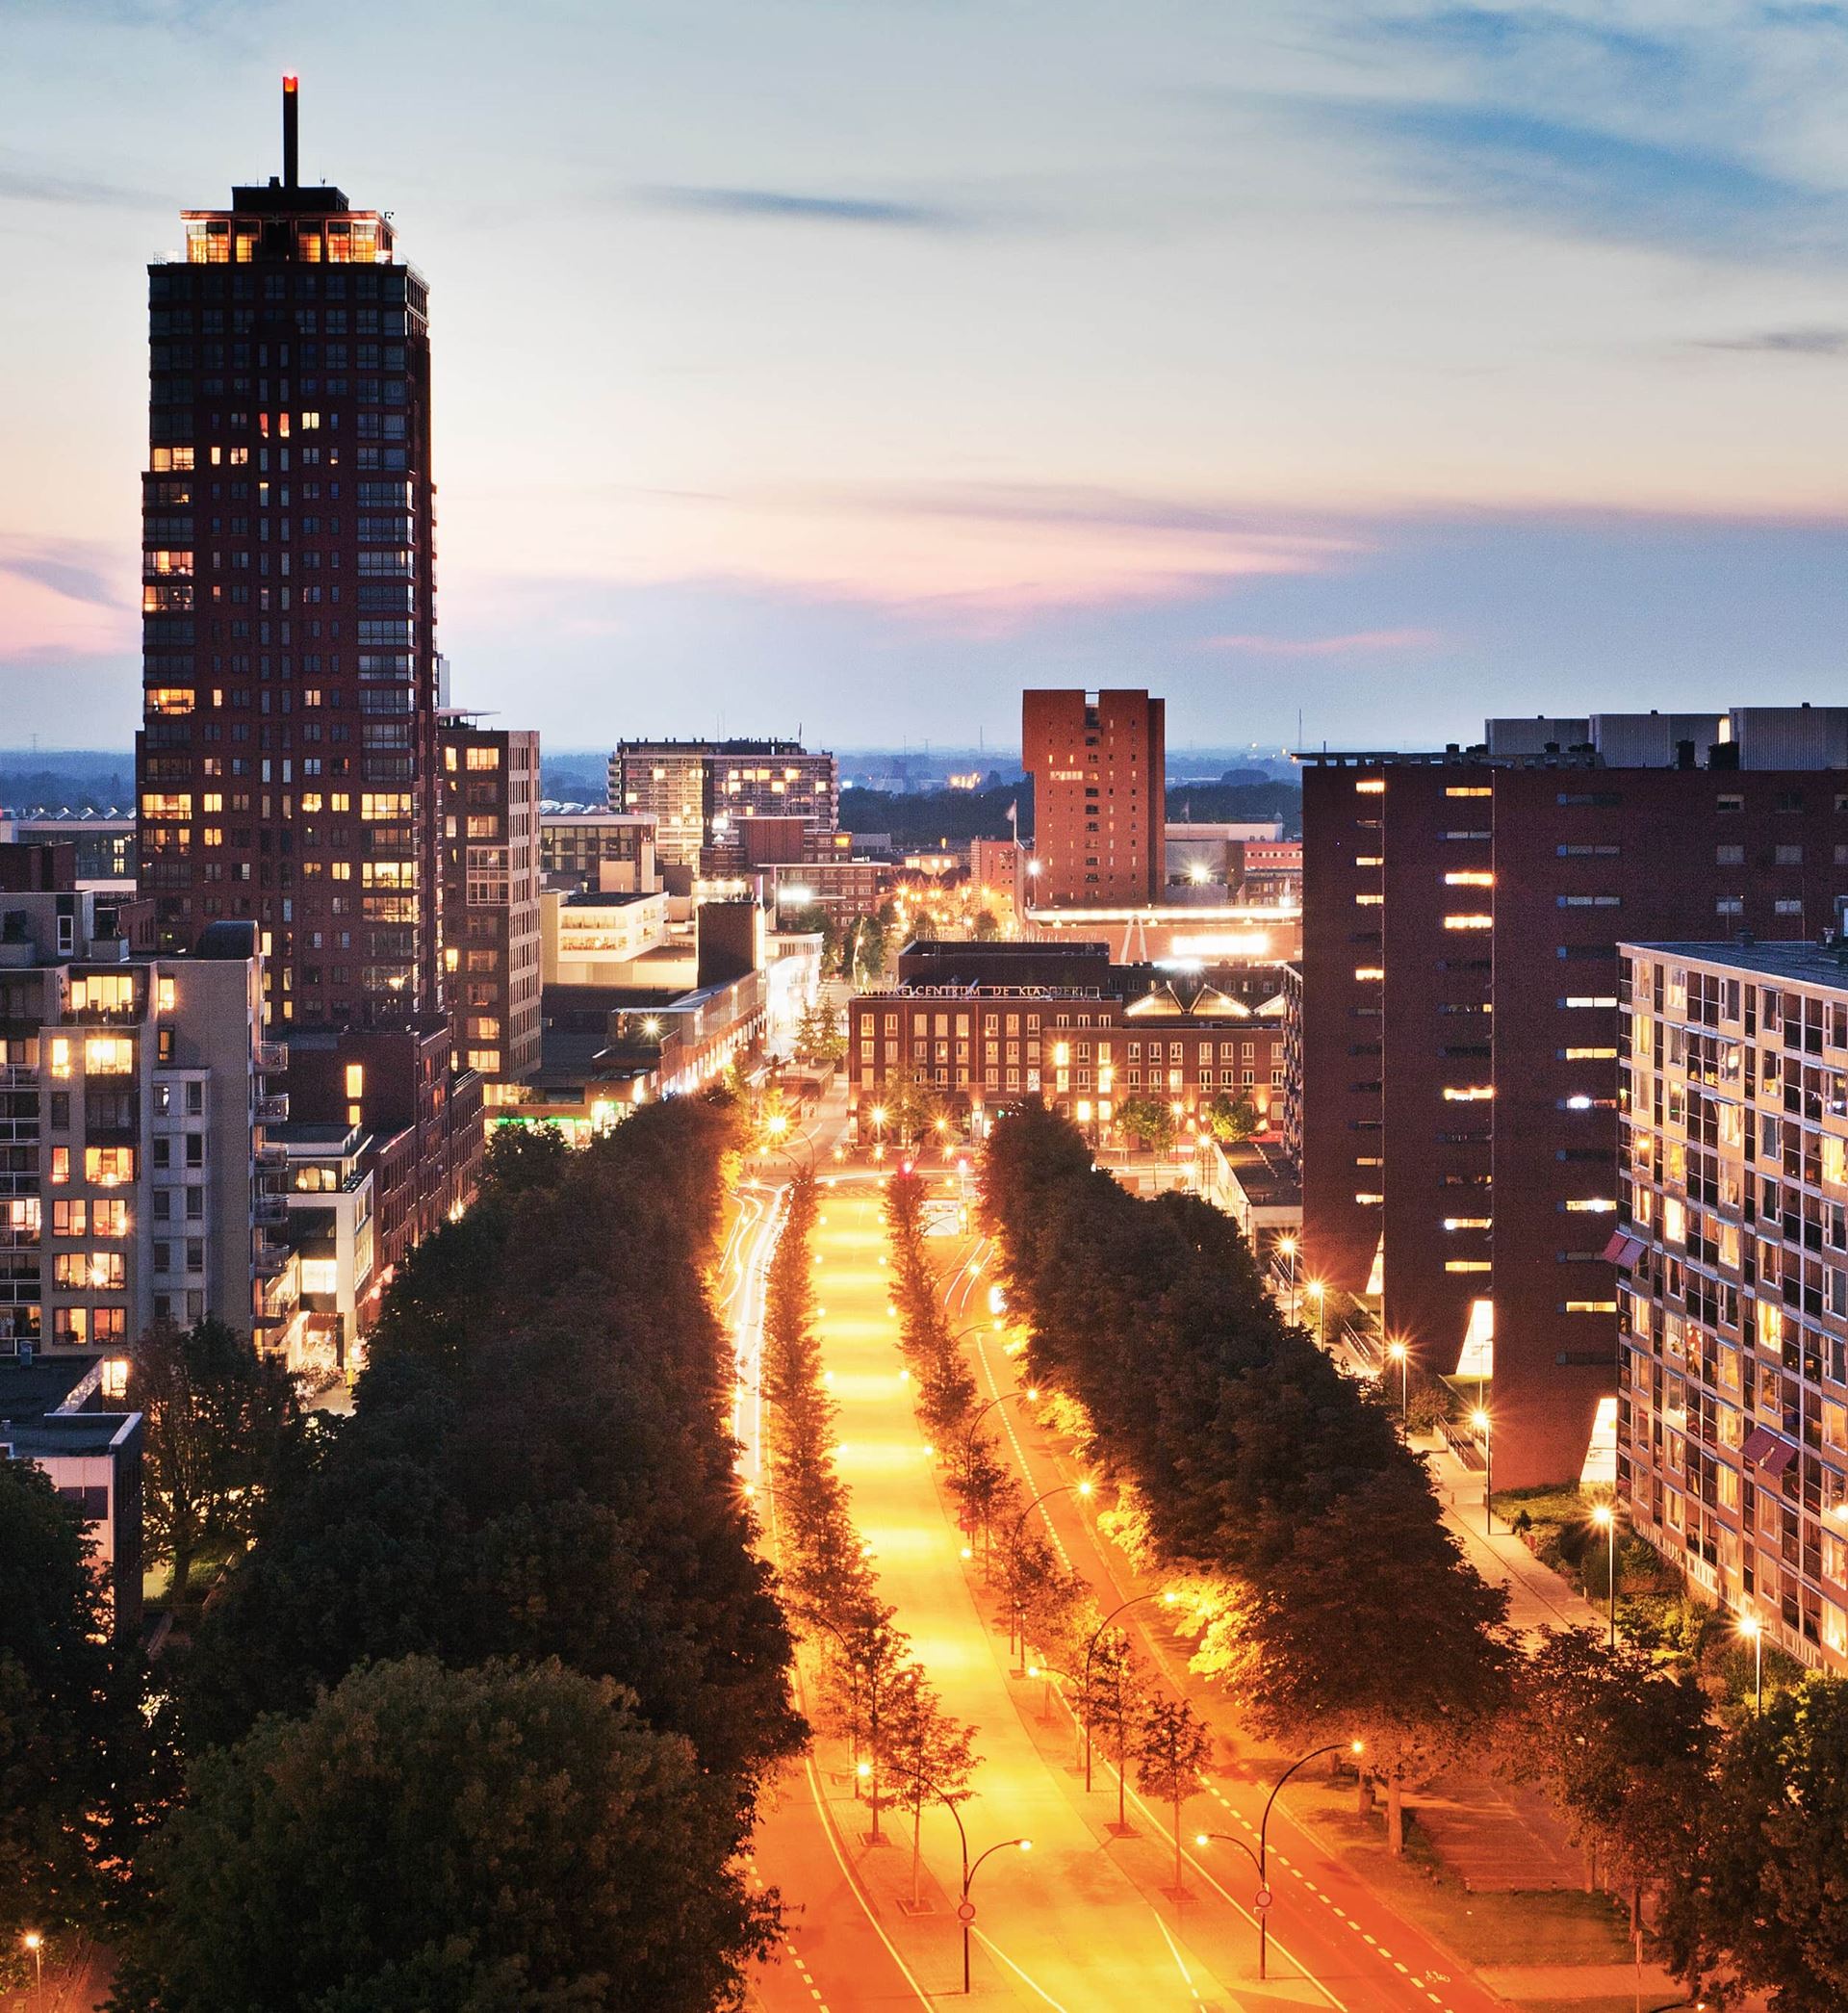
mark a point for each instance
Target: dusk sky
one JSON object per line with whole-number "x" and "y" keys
{"x": 852, "y": 365}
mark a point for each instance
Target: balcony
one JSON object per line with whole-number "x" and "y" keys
{"x": 273, "y": 1058}
{"x": 270, "y": 1155}
{"x": 269, "y": 1257}
{"x": 271, "y": 1109}
{"x": 270, "y": 1211}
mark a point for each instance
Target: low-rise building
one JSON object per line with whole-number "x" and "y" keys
{"x": 600, "y": 849}
{"x": 987, "y": 1025}
{"x": 1730, "y": 1238}
{"x": 94, "y": 1460}
{"x": 595, "y": 938}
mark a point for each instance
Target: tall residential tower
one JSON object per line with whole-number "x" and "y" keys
{"x": 287, "y": 765}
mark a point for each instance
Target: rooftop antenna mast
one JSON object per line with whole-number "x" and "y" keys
{"x": 291, "y": 135}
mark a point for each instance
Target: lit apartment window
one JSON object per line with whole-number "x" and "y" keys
{"x": 1469, "y": 878}
{"x": 1368, "y": 901}
{"x": 1468, "y": 923}
{"x": 1467, "y": 1094}
{"x": 1589, "y": 1206}
{"x": 1369, "y": 971}
{"x": 1469, "y": 790}
{"x": 1587, "y": 1306}
{"x": 1466, "y": 1265}
{"x": 1371, "y": 786}
{"x": 1589, "y": 999}
{"x": 1587, "y": 1055}
{"x": 1469, "y": 1222}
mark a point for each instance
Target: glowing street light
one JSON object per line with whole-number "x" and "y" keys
{"x": 1751, "y": 1628}
{"x": 1017, "y": 1620}
{"x": 35, "y": 1944}
{"x": 1402, "y": 1356}
{"x": 1168, "y": 1599}
{"x": 1485, "y": 1426}
{"x": 1605, "y": 1518}
{"x": 1319, "y": 1293}
{"x": 1261, "y": 1856}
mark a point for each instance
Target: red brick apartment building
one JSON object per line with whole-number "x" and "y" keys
{"x": 991, "y": 1026}
{"x": 1458, "y": 1029}
{"x": 1098, "y": 763}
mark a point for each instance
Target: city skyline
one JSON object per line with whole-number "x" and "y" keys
{"x": 1152, "y": 370}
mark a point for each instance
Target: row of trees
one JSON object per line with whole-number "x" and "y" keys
{"x": 1310, "y": 1532}
{"x": 878, "y": 1693}
{"x": 481, "y": 1718}
{"x": 1334, "y": 1604}
{"x": 1048, "y": 1605}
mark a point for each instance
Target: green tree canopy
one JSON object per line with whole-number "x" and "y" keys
{"x": 495, "y": 1839}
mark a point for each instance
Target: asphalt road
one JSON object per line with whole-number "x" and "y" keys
{"x": 1087, "y": 1919}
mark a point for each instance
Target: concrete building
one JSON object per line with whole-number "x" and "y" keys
{"x": 599, "y": 849}
{"x": 94, "y": 1460}
{"x": 134, "y": 1097}
{"x": 1458, "y": 1025}
{"x": 104, "y": 845}
{"x": 330, "y": 1189}
{"x": 596, "y": 939}
{"x": 1730, "y": 1248}
{"x": 491, "y": 867}
{"x": 1098, "y": 763}
{"x": 699, "y": 793}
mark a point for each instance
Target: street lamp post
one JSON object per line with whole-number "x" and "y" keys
{"x": 1402, "y": 1356}
{"x": 1605, "y": 1518}
{"x": 965, "y": 1908}
{"x": 1288, "y": 1247}
{"x": 1261, "y": 1857}
{"x": 35, "y": 1944}
{"x": 1017, "y": 1618}
{"x": 853, "y": 1692}
{"x": 1091, "y": 1648}
{"x": 1319, "y": 1293}
{"x": 1485, "y": 1426}
{"x": 1751, "y": 1626}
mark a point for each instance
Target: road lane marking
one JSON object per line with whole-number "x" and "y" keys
{"x": 1032, "y": 1984}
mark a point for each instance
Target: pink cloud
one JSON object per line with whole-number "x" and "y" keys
{"x": 1357, "y": 640}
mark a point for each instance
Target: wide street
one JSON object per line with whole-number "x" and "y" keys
{"x": 1087, "y": 1919}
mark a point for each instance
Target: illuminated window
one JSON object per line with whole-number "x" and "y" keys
{"x": 167, "y": 995}
{"x": 1368, "y": 901}
{"x": 69, "y": 1219}
{"x": 486, "y": 1060}
{"x": 1369, "y": 971}
{"x": 1589, "y": 999}
{"x": 1469, "y": 878}
{"x": 1588, "y": 1055}
{"x": 484, "y": 757}
{"x": 168, "y": 701}
{"x": 60, "y": 1165}
{"x": 109, "y": 1167}
{"x": 61, "y": 1055}
{"x": 1468, "y": 923}
{"x": 1588, "y": 1306}
{"x": 70, "y": 1325}
{"x": 1589, "y": 1206}
{"x": 319, "y": 1276}
{"x": 1466, "y": 1265}
{"x": 108, "y": 1055}
{"x": 1470, "y": 790}
{"x": 108, "y": 1219}
{"x": 355, "y": 1079}
{"x": 1372, "y": 787}
{"x": 1469, "y": 1222}
{"x": 1467, "y": 1094}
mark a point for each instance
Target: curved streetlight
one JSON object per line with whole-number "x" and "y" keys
{"x": 1261, "y": 1857}
{"x": 1017, "y": 1620}
{"x": 853, "y": 1691}
{"x": 968, "y": 1439}
{"x": 1168, "y": 1600}
{"x": 965, "y": 1908}
{"x": 1289, "y": 1247}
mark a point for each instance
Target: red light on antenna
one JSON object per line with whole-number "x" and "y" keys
{"x": 289, "y": 83}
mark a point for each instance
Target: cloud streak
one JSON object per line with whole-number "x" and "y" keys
{"x": 64, "y": 567}
{"x": 1785, "y": 342}
{"x": 1355, "y": 643}
{"x": 784, "y": 206}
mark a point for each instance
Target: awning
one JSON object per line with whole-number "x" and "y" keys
{"x": 1625, "y": 1249}
{"x": 1766, "y": 1451}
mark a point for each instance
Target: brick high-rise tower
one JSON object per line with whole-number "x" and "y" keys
{"x": 1097, "y": 760}
{"x": 287, "y": 766}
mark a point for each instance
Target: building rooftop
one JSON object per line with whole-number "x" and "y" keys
{"x": 29, "y": 1390}
{"x": 1803, "y": 963}
{"x": 66, "y": 1433}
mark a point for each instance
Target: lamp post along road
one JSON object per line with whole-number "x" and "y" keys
{"x": 965, "y": 1907}
{"x": 1751, "y": 1626}
{"x": 1261, "y": 1858}
{"x": 1606, "y": 1517}
{"x": 1485, "y": 1426}
{"x": 1017, "y": 1618}
{"x": 1091, "y": 1650}
{"x": 1402, "y": 1356}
